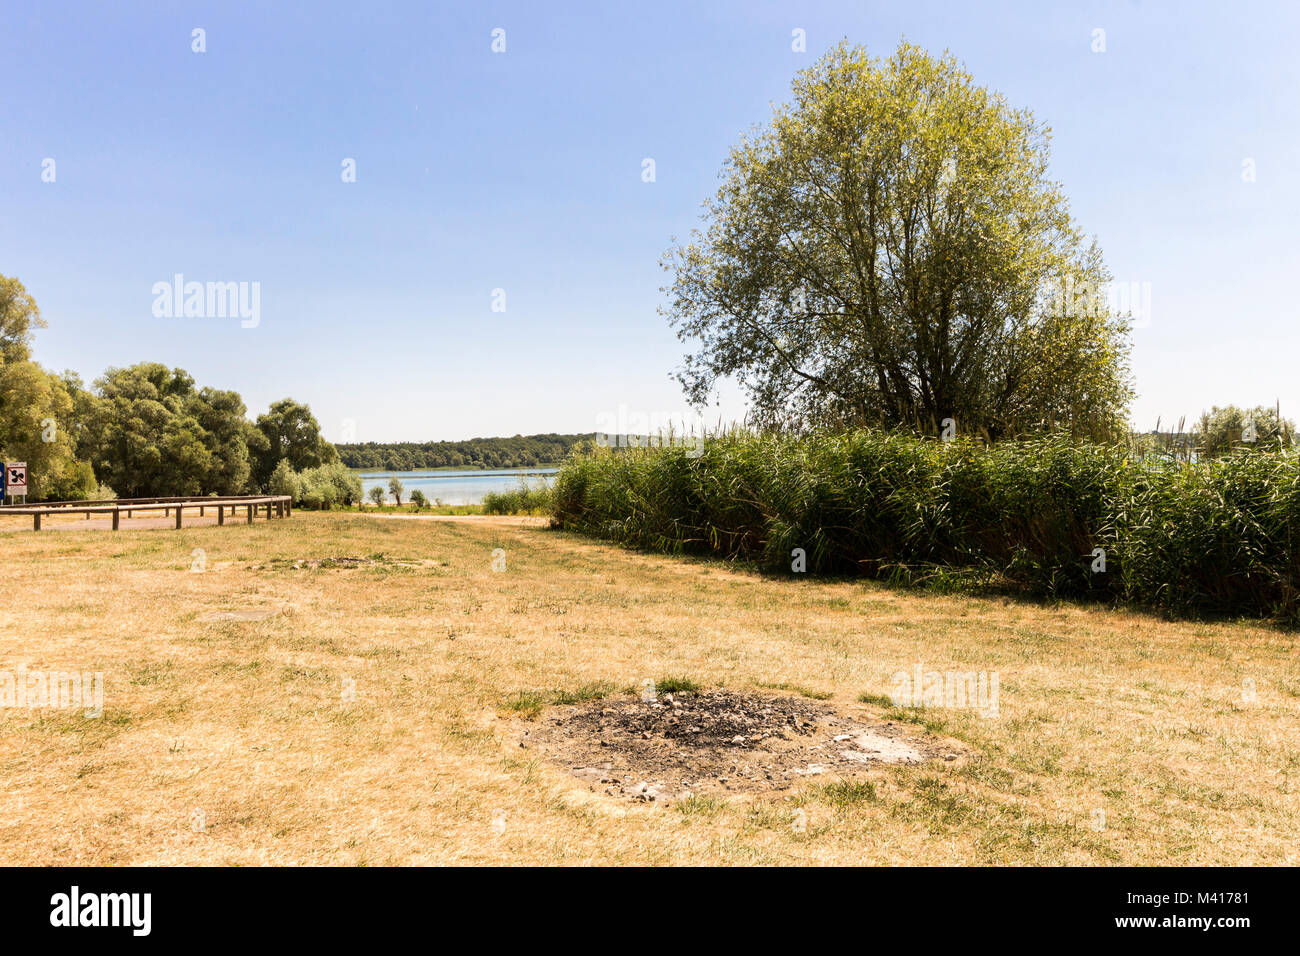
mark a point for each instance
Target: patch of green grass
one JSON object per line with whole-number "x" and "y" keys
{"x": 526, "y": 703}
{"x": 843, "y": 794}
{"x": 706, "y": 807}
{"x": 529, "y": 703}
{"x": 934, "y": 802}
{"x": 879, "y": 700}
{"x": 596, "y": 690}
{"x": 909, "y": 715}
{"x": 150, "y": 673}
{"x": 238, "y": 665}
{"x": 676, "y": 685}
{"x": 923, "y": 716}
{"x": 800, "y": 690}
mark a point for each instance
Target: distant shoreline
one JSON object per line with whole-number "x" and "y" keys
{"x": 468, "y": 469}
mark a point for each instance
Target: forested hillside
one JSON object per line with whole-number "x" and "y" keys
{"x": 521, "y": 451}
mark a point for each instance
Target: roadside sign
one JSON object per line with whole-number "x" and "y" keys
{"x": 15, "y": 478}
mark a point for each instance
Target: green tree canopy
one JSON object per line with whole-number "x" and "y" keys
{"x": 147, "y": 430}
{"x": 18, "y": 316}
{"x": 1227, "y": 429}
{"x": 35, "y": 420}
{"x": 36, "y": 406}
{"x": 144, "y": 441}
{"x": 223, "y": 418}
{"x": 890, "y": 251}
{"x": 291, "y": 432}
{"x": 150, "y": 432}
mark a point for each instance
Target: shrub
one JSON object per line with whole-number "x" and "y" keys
{"x": 526, "y": 499}
{"x": 285, "y": 481}
{"x": 76, "y": 482}
{"x": 328, "y": 485}
{"x": 1220, "y": 535}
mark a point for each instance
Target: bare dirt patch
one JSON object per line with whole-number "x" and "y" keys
{"x": 312, "y": 564}
{"x": 327, "y": 563}
{"x": 684, "y": 745}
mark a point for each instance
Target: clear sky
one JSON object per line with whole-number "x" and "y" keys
{"x": 522, "y": 171}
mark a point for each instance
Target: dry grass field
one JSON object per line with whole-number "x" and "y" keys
{"x": 269, "y": 709}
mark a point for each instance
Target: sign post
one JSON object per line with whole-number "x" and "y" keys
{"x": 15, "y": 480}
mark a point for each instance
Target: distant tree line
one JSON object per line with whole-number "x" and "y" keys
{"x": 521, "y": 451}
{"x": 137, "y": 432}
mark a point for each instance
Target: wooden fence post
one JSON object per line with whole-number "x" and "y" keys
{"x": 276, "y": 507}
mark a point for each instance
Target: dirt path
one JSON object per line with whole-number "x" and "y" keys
{"x": 513, "y": 521}
{"x": 105, "y": 523}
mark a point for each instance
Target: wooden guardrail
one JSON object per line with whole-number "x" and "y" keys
{"x": 281, "y": 504}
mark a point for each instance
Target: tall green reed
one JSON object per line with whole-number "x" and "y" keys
{"x": 1217, "y": 536}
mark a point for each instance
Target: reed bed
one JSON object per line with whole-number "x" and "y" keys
{"x": 526, "y": 499}
{"x": 1048, "y": 515}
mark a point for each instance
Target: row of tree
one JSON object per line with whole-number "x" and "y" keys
{"x": 141, "y": 431}
{"x": 521, "y": 451}
{"x": 1221, "y": 431}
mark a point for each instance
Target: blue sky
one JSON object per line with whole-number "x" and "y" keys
{"x": 521, "y": 171}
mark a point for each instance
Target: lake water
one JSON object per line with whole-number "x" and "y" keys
{"x": 454, "y": 487}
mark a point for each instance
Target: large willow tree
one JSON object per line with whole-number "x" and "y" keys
{"x": 889, "y": 251}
